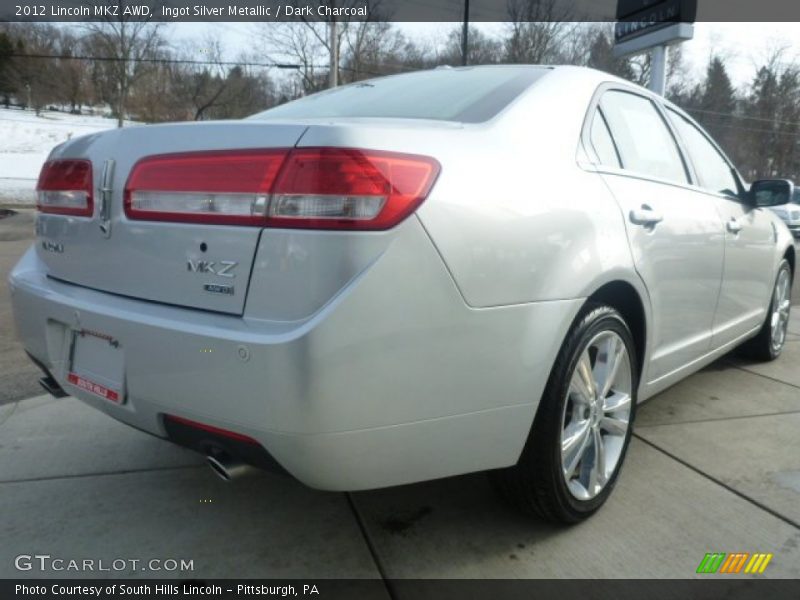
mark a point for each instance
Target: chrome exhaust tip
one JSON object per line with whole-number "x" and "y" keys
{"x": 228, "y": 469}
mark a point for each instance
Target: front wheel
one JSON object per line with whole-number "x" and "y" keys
{"x": 582, "y": 428}
{"x": 769, "y": 342}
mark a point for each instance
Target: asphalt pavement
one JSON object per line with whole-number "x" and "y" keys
{"x": 714, "y": 467}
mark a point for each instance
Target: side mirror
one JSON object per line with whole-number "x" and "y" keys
{"x": 771, "y": 192}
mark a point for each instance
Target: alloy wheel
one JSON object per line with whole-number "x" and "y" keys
{"x": 596, "y": 415}
{"x": 781, "y": 305}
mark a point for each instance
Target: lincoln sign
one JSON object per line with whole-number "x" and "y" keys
{"x": 637, "y": 17}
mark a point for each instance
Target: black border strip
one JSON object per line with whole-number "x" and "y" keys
{"x": 175, "y": 11}
{"x": 706, "y": 588}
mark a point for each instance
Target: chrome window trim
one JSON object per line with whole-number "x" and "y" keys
{"x": 594, "y": 105}
{"x": 661, "y": 105}
{"x": 668, "y": 106}
{"x": 596, "y": 154}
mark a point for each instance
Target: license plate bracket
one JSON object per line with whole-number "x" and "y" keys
{"x": 97, "y": 365}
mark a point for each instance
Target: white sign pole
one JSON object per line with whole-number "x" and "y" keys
{"x": 658, "y": 70}
{"x": 658, "y": 42}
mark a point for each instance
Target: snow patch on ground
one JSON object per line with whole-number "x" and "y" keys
{"x": 26, "y": 141}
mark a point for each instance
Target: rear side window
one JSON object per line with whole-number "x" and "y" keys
{"x": 467, "y": 95}
{"x": 602, "y": 143}
{"x": 713, "y": 170}
{"x": 645, "y": 144}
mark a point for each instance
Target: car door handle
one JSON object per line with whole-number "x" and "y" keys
{"x": 734, "y": 226}
{"x": 645, "y": 216}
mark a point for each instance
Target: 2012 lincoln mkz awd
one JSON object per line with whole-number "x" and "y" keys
{"x": 406, "y": 278}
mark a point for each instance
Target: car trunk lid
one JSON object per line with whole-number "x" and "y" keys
{"x": 194, "y": 264}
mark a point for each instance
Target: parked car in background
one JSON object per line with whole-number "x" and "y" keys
{"x": 790, "y": 213}
{"x": 413, "y": 277}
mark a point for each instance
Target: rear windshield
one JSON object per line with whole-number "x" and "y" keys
{"x": 467, "y": 95}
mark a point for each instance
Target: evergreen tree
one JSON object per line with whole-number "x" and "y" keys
{"x": 6, "y": 53}
{"x": 601, "y": 57}
{"x": 717, "y": 104}
{"x": 761, "y": 108}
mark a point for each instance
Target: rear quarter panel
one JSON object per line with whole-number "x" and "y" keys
{"x": 514, "y": 215}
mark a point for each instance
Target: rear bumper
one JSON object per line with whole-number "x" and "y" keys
{"x": 395, "y": 380}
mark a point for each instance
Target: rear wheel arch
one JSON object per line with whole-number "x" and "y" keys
{"x": 625, "y": 299}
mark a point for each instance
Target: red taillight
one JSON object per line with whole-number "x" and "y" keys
{"x": 227, "y": 187}
{"x": 239, "y": 437}
{"x": 65, "y": 188}
{"x": 337, "y": 188}
{"x": 318, "y": 188}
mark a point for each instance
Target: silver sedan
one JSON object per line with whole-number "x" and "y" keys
{"x": 407, "y": 278}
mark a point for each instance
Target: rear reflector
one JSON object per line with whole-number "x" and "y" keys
{"x": 211, "y": 429}
{"x": 316, "y": 188}
{"x": 65, "y": 188}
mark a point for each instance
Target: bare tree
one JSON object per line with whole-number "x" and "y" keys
{"x": 371, "y": 46}
{"x": 308, "y": 43}
{"x": 201, "y": 89}
{"x": 297, "y": 43}
{"x": 483, "y": 49}
{"x": 154, "y": 98}
{"x": 125, "y": 43}
{"x": 73, "y": 84}
{"x": 538, "y": 30}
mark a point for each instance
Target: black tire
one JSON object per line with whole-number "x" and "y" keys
{"x": 760, "y": 347}
{"x": 536, "y": 484}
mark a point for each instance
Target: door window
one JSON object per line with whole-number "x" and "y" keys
{"x": 644, "y": 141}
{"x": 714, "y": 172}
